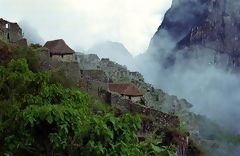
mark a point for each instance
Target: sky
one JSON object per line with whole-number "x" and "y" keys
{"x": 83, "y": 23}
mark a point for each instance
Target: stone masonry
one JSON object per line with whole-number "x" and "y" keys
{"x": 10, "y": 32}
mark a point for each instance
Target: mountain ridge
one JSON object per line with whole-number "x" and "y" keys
{"x": 202, "y": 25}
{"x": 116, "y": 51}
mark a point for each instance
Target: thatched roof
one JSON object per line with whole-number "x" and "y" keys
{"x": 58, "y": 47}
{"x": 128, "y": 89}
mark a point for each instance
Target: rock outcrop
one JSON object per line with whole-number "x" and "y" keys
{"x": 196, "y": 28}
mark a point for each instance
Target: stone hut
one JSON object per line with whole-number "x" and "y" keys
{"x": 59, "y": 50}
{"x": 12, "y": 33}
{"x": 126, "y": 90}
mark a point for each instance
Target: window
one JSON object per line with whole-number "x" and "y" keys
{"x": 7, "y": 25}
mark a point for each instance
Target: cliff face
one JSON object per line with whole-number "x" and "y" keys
{"x": 190, "y": 25}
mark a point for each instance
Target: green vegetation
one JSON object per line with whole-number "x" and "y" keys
{"x": 41, "y": 117}
{"x": 35, "y": 46}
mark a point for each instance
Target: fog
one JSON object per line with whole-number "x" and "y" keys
{"x": 31, "y": 33}
{"x": 212, "y": 88}
{"x": 213, "y": 92}
{"x": 83, "y": 23}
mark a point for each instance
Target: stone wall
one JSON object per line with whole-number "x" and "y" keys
{"x": 14, "y": 36}
{"x": 9, "y": 35}
{"x": 64, "y": 58}
{"x": 133, "y": 99}
{"x": 136, "y": 99}
{"x": 2, "y": 35}
{"x": 118, "y": 73}
{"x": 71, "y": 69}
{"x": 159, "y": 118}
{"x": 96, "y": 75}
{"x": 153, "y": 121}
{"x": 88, "y": 61}
{"x": 22, "y": 43}
{"x": 159, "y": 100}
{"x": 113, "y": 70}
{"x": 10, "y": 32}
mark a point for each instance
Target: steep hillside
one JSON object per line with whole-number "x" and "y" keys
{"x": 190, "y": 56}
{"x": 201, "y": 28}
{"x": 39, "y": 116}
{"x": 207, "y": 134}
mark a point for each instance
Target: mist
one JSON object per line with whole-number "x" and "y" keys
{"x": 31, "y": 33}
{"x": 213, "y": 92}
{"x": 213, "y": 89}
{"x": 115, "y": 51}
{"x": 84, "y": 23}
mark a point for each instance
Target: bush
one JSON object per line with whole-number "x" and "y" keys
{"x": 42, "y": 118}
{"x": 35, "y": 46}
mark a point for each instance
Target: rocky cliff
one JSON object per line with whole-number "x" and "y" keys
{"x": 194, "y": 28}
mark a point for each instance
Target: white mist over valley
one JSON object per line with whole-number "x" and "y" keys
{"x": 205, "y": 86}
{"x": 181, "y": 57}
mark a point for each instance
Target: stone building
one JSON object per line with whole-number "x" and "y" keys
{"x": 60, "y": 51}
{"x": 88, "y": 61}
{"x": 12, "y": 33}
{"x": 126, "y": 90}
{"x": 118, "y": 72}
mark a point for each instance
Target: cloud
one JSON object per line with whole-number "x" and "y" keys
{"x": 211, "y": 88}
{"x": 31, "y": 33}
{"x": 200, "y": 75}
{"x": 82, "y": 23}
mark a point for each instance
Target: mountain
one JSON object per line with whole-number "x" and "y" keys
{"x": 200, "y": 28}
{"x": 190, "y": 52}
{"x": 113, "y": 50}
{"x": 157, "y": 112}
